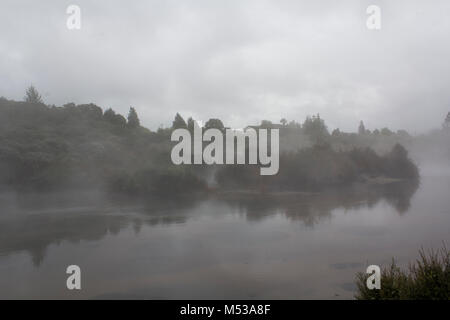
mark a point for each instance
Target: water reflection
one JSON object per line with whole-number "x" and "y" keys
{"x": 29, "y": 224}
{"x": 311, "y": 208}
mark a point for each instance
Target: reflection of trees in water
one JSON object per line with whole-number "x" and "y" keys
{"x": 311, "y": 208}
{"x": 35, "y": 232}
{"x": 399, "y": 194}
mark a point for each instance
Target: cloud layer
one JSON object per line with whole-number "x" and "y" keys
{"x": 241, "y": 61}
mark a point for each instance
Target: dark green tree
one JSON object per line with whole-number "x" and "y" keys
{"x": 178, "y": 122}
{"x": 133, "y": 119}
{"x": 32, "y": 95}
{"x": 214, "y": 123}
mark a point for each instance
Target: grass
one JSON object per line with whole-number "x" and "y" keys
{"x": 426, "y": 279}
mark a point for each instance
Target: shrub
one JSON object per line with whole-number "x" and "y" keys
{"x": 428, "y": 279}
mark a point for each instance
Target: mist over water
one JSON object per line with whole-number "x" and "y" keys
{"x": 226, "y": 246}
{"x": 236, "y": 150}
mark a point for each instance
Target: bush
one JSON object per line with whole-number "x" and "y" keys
{"x": 171, "y": 181}
{"x": 428, "y": 279}
{"x": 320, "y": 166}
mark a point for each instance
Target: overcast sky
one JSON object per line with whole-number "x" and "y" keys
{"x": 240, "y": 61}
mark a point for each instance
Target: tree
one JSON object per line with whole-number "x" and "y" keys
{"x": 178, "y": 122}
{"x": 190, "y": 124}
{"x": 214, "y": 123}
{"x": 133, "y": 119}
{"x": 266, "y": 124}
{"x": 336, "y": 132}
{"x": 399, "y": 165}
{"x": 362, "y": 128}
{"x": 109, "y": 114}
{"x": 116, "y": 119}
{"x": 294, "y": 125}
{"x": 386, "y": 132}
{"x": 403, "y": 133}
{"x": 398, "y": 152}
{"x": 32, "y": 95}
{"x": 315, "y": 128}
{"x": 447, "y": 121}
{"x": 283, "y": 121}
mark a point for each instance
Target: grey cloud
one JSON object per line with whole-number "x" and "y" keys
{"x": 242, "y": 61}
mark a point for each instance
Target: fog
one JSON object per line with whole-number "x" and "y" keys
{"x": 344, "y": 161}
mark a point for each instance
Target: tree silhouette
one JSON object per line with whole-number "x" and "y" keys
{"x": 133, "y": 119}
{"x": 336, "y": 132}
{"x": 190, "y": 124}
{"x": 386, "y": 132}
{"x": 315, "y": 128}
{"x": 116, "y": 119}
{"x": 214, "y": 123}
{"x": 32, "y": 95}
{"x": 179, "y": 122}
{"x": 447, "y": 121}
{"x": 266, "y": 124}
{"x": 109, "y": 114}
{"x": 361, "y": 128}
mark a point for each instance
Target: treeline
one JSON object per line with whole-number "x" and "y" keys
{"x": 319, "y": 167}
{"x": 77, "y": 146}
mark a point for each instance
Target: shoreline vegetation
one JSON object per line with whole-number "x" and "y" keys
{"x": 428, "y": 278}
{"x": 45, "y": 148}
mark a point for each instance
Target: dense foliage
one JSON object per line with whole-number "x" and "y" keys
{"x": 321, "y": 166}
{"x": 77, "y": 146}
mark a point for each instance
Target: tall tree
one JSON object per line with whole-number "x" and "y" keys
{"x": 190, "y": 124}
{"x": 361, "y": 128}
{"x": 32, "y": 95}
{"x": 179, "y": 122}
{"x": 133, "y": 119}
{"x": 315, "y": 128}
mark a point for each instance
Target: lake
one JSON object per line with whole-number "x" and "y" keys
{"x": 232, "y": 245}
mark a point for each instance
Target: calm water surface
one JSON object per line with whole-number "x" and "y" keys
{"x": 287, "y": 246}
